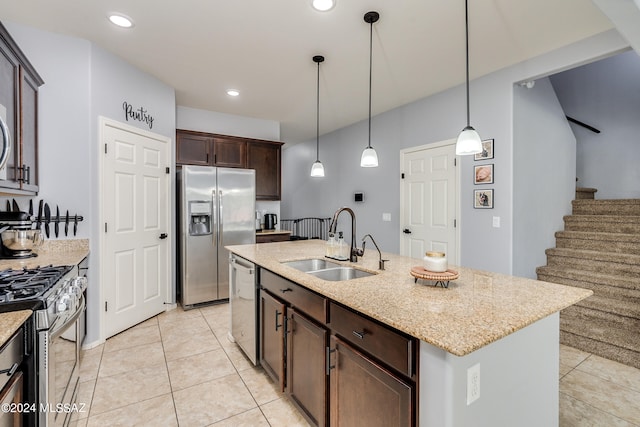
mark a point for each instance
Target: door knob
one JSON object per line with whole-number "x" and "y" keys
{"x": 164, "y": 235}
{"x": 406, "y": 231}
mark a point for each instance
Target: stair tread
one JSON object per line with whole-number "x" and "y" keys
{"x": 608, "y": 351}
{"x": 601, "y": 218}
{"x": 590, "y": 276}
{"x": 595, "y": 255}
{"x": 612, "y": 306}
{"x": 601, "y": 236}
{"x": 600, "y": 331}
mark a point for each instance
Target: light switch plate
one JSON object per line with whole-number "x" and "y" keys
{"x": 386, "y": 217}
{"x": 496, "y": 222}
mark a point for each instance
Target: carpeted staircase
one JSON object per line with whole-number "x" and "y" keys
{"x": 600, "y": 250}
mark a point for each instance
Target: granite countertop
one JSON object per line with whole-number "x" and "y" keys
{"x": 476, "y": 309}
{"x": 52, "y": 252}
{"x": 11, "y": 322}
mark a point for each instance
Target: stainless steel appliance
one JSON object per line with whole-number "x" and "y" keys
{"x": 270, "y": 221}
{"x": 11, "y": 379}
{"x": 216, "y": 208}
{"x": 243, "y": 303}
{"x": 56, "y": 295}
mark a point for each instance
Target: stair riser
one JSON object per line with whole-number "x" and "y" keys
{"x": 573, "y": 224}
{"x": 595, "y": 245}
{"x": 614, "y": 268}
{"x": 587, "y": 207}
{"x": 581, "y": 322}
{"x": 611, "y": 292}
{"x": 628, "y": 357}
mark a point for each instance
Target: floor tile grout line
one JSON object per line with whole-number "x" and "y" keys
{"x": 604, "y": 411}
{"x": 173, "y": 399}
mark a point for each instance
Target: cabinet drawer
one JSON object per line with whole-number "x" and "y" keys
{"x": 302, "y": 299}
{"x": 380, "y": 341}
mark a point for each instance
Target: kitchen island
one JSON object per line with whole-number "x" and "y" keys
{"x": 507, "y": 325}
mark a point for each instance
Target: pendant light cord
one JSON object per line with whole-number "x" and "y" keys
{"x": 370, "y": 77}
{"x": 318, "y": 116}
{"x": 466, "y": 21}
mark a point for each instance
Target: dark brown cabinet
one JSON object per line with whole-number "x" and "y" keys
{"x": 207, "y": 149}
{"x": 293, "y": 346}
{"x": 19, "y": 83}
{"x": 363, "y": 392}
{"x": 265, "y": 159}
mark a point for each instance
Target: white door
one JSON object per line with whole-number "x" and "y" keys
{"x": 429, "y": 200}
{"x": 135, "y": 209}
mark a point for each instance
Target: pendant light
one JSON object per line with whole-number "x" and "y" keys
{"x": 317, "y": 170}
{"x": 469, "y": 141}
{"x": 369, "y": 157}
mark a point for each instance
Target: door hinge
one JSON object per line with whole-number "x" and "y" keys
{"x": 106, "y": 306}
{"x": 105, "y": 148}
{"x": 455, "y": 223}
{"x": 168, "y": 169}
{"x": 402, "y": 175}
{"x": 455, "y": 162}
{"x": 105, "y": 227}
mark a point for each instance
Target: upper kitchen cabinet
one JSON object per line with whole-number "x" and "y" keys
{"x": 264, "y": 157}
{"x": 207, "y": 149}
{"x": 19, "y": 84}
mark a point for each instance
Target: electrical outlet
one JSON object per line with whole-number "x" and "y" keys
{"x": 473, "y": 383}
{"x": 496, "y": 222}
{"x": 386, "y": 217}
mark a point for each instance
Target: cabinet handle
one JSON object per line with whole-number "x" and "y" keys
{"x": 10, "y": 371}
{"x": 360, "y": 334}
{"x": 278, "y": 325}
{"x": 328, "y": 364}
{"x": 27, "y": 172}
{"x": 286, "y": 290}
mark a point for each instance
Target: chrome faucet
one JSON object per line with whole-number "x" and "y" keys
{"x": 380, "y": 260}
{"x": 355, "y": 252}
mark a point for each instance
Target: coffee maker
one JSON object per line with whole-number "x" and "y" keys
{"x": 17, "y": 238}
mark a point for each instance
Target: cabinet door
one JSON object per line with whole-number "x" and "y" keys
{"x": 29, "y": 136}
{"x": 193, "y": 149}
{"x": 306, "y": 367}
{"x": 265, "y": 159}
{"x": 229, "y": 152}
{"x": 9, "y": 83}
{"x": 272, "y": 325}
{"x": 364, "y": 393}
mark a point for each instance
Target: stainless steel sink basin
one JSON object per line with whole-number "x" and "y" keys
{"x": 327, "y": 270}
{"x": 339, "y": 273}
{"x": 308, "y": 265}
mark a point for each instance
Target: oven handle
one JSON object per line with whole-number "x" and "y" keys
{"x": 55, "y": 333}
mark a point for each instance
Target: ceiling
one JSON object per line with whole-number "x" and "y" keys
{"x": 265, "y": 48}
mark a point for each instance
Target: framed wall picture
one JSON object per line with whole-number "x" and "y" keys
{"x": 483, "y": 199}
{"x": 487, "y": 150}
{"x": 483, "y": 174}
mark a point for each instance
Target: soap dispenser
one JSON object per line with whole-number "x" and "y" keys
{"x": 342, "y": 249}
{"x": 330, "y": 250}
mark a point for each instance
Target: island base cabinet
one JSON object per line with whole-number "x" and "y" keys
{"x": 363, "y": 393}
{"x": 272, "y": 327}
{"x": 306, "y": 367}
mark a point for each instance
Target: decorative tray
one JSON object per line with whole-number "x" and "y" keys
{"x": 442, "y": 279}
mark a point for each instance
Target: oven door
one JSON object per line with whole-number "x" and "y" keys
{"x": 59, "y": 373}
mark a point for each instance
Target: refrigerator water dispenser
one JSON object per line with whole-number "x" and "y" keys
{"x": 199, "y": 218}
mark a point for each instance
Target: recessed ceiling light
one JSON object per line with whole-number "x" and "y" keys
{"x": 233, "y": 92}
{"x": 323, "y": 5}
{"x": 121, "y": 20}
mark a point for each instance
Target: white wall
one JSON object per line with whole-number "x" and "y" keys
{"x": 606, "y": 95}
{"x": 82, "y": 82}
{"x": 430, "y": 120}
{"x": 544, "y": 156}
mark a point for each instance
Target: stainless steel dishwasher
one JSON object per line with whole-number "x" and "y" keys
{"x": 243, "y": 303}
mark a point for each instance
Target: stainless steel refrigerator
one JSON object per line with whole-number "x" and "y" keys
{"x": 216, "y": 207}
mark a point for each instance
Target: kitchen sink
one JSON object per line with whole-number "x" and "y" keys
{"x": 327, "y": 270}
{"x": 340, "y": 273}
{"x": 308, "y": 265}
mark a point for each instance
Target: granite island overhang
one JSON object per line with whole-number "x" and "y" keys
{"x": 508, "y": 325}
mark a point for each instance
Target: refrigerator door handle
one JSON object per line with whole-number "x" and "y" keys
{"x": 214, "y": 213}
{"x": 220, "y": 224}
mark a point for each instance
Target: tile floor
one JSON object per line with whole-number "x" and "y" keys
{"x": 179, "y": 369}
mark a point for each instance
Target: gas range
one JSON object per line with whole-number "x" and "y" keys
{"x": 30, "y": 287}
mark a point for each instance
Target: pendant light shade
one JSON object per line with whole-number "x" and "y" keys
{"x": 317, "y": 169}
{"x": 369, "y": 157}
{"x": 469, "y": 141}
